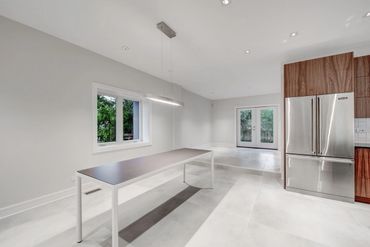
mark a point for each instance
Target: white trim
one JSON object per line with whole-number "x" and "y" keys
{"x": 145, "y": 112}
{"x": 115, "y": 90}
{"x": 277, "y": 137}
{"x": 256, "y": 106}
{"x": 202, "y": 146}
{"x": 119, "y": 120}
{"x": 223, "y": 144}
{"x": 122, "y": 145}
{"x": 40, "y": 201}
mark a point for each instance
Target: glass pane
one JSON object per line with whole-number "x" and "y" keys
{"x": 106, "y": 117}
{"x": 267, "y": 126}
{"x": 246, "y": 126}
{"x": 130, "y": 120}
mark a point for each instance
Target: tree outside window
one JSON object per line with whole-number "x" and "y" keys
{"x": 106, "y": 118}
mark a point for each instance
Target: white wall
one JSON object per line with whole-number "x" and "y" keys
{"x": 191, "y": 122}
{"x": 224, "y": 117}
{"x": 46, "y": 112}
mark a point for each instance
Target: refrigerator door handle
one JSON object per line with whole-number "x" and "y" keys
{"x": 312, "y": 127}
{"x": 318, "y": 126}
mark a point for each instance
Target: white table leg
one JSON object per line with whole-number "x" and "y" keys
{"x": 114, "y": 217}
{"x": 212, "y": 170}
{"x": 79, "y": 209}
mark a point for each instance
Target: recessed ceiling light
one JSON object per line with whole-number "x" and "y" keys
{"x": 367, "y": 14}
{"x": 225, "y": 2}
{"x": 293, "y": 34}
{"x": 125, "y": 48}
{"x": 247, "y": 52}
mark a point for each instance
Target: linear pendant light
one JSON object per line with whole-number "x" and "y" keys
{"x": 170, "y": 33}
{"x": 164, "y": 100}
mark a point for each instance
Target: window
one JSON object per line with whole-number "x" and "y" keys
{"x": 121, "y": 117}
{"x": 106, "y": 110}
{"x": 130, "y": 111}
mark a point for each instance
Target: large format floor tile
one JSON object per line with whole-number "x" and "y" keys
{"x": 249, "y": 158}
{"x": 246, "y": 208}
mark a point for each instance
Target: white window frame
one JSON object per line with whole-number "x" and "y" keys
{"x": 145, "y": 115}
{"x": 255, "y": 143}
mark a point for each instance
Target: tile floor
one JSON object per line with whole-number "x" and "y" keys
{"x": 250, "y": 158}
{"x": 246, "y": 208}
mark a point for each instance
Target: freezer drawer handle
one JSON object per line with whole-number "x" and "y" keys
{"x": 327, "y": 159}
{"x": 337, "y": 160}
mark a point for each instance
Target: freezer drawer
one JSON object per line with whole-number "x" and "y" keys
{"x": 300, "y": 120}
{"x": 330, "y": 176}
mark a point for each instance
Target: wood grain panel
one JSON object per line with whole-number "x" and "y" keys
{"x": 339, "y": 74}
{"x": 367, "y": 106}
{"x": 301, "y": 78}
{"x": 360, "y": 107}
{"x": 362, "y": 66}
{"x": 362, "y": 87}
{"x": 362, "y": 172}
{"x": 316, "y": 73}
{"x": 333, "y": 74}
{"x": 363, "y": 188}
{"x": 291, "y": 80}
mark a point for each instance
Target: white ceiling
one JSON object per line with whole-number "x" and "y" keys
{"x": 207, "y": 55}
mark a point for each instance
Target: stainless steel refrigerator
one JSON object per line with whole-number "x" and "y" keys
{"x": 320, "y": 145}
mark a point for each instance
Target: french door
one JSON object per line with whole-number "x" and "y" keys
{"x": 257, "y": 127}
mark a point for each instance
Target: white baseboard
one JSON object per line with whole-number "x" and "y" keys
{"x": 40, "y": 201}
{"x": 233, "y": 167}
{"x": 223, "y": 144}
{"x": 205, "y": 145}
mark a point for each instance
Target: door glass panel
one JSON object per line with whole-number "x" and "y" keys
{"x": 267, "y": 126}
{"x": 246, "y": 125}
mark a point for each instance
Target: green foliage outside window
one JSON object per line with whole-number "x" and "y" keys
{"x": 106, "y": 117}
{"x": 128, "y": 119}
{"x": 246, "y": 126}
{"x": 267, "y": 126}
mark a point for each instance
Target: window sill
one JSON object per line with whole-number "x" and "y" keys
{"x": 121, "y": 146}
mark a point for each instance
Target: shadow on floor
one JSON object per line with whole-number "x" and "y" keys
{"x": 135, "y": 229}
{"x": 165, "y": 215}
